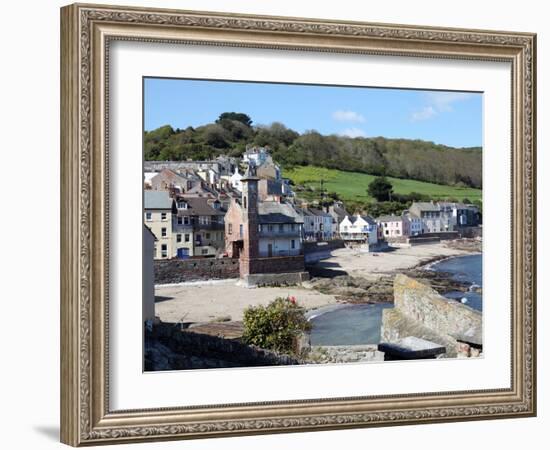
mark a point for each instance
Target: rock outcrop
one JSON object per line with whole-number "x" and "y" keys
{"x": 421, "y": 312}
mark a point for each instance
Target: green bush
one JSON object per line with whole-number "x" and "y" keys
{"x": 275, "y": 326}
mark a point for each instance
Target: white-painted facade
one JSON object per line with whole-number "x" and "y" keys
{"x": 235, "y": 180}
{"x": 357, "y": 228}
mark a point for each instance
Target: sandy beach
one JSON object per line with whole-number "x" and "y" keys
{"x": 209, "y": 301}
{"x": 374, "y": 265}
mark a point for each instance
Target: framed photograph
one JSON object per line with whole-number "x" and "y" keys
{"x": 276, "y": 224}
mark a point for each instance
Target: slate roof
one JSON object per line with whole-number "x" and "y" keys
{"x": 340, "y": 211}
{"x": 367, "y": 219}
{"x": 198, "y": 206}
{"x": 274, "y": 212}
{"x": 157, "y": 200}
{"x": 389, "y": 218}
{"x": 316, "y": 212}
{"x": 426, "y": 206}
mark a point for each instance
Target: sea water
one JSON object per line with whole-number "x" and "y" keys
{"x": 467, "y": 269}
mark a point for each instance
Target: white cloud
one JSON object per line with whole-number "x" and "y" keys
{"x": 353, "y": 132}
{"x": 443, "y": 100}
{"x": 437, "y": 103}
{"x": 423, "y": 114}
{"x": 347, "y": 116}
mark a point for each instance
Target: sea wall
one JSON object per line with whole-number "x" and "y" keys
{"x": 317, "y": 251}
{"x": 181, "y": 270}
{"x": 421, "y": 312}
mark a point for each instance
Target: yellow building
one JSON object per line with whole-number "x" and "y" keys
{"x": 159, "y": 209}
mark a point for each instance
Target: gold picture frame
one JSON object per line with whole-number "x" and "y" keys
{"x": 86, "y": 32}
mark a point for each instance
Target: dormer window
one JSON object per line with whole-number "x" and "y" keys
{"x": 182, "y": 204}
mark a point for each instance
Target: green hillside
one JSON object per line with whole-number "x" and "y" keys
{"x": 352, "y": 186}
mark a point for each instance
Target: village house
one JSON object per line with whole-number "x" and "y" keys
{"x": 466, "y": 215}
{"x": 269, "y": 170}
{"x": 168, "y": 180}
{"x": 359, "y": 228}
{"x": 159, "y": 209}
{"x": 222, "y": 165}
{"x": 266, "y": 236}
{"x": 447, "y": 212}
{"x": 391, "y": 226}
{"x": 317, "y": 224}
{"x": 444, "y": 216}
{"x": 256, "y": 155}
{"x": 235, "y": 180}
{"x": 338, "y": 213}
{"x": 412, "y": 225}
{"x": 430, "y": 215}
{"x": 198, "y": 228}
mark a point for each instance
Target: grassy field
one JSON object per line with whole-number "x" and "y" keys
{"x": 353, "y": 186}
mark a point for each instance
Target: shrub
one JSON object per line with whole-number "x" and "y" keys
{"x": 275, "y": 326}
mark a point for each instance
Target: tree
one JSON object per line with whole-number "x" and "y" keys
{"x": 381, "y": 189}
{"x": 239, "y": 117}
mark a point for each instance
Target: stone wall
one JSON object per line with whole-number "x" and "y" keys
{"x": 316, "y": 251}
{"x": 169, "y": 348}
{"x": 275, "y": 264}
{"x": 421, "y": 312}
{"x": 181, "y": 270}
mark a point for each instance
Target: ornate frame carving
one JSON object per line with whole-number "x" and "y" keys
{"x": 86, "y": 31}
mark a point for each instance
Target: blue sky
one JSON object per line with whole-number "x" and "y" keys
{"x": 444, "y": 117}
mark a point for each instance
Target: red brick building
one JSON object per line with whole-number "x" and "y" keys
{"x": 266, "y": 236}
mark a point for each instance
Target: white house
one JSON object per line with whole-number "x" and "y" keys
{"x": 359, "y": 228}
{"x": 235, "y": 180}
{"x": 257, "y": 156}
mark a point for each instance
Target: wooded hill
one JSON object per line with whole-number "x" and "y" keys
{"x": 400, "y": 158}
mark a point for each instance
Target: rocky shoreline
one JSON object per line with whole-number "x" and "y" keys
{"x": 357, "y": 290}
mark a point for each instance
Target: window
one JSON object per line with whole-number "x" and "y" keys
{"x": 204, "y": 251}
{"x": 178, "y": 237}
{"x": 270, "y": 227}
{"x": 162, "y": 216}
{"x": 186, "y": 220}
{"x": 180, "y": 220}
{"x": 230, "y": 228}
{"x": 241, "y": 231}
{"x": 281, "y": 227}
{"x": 182, "y": 205}
{"x": 148, "y": 217}
{"x": 207, "y": 235}
{"x": 163, "y": 232}
{"x": 164, "y": 250}
{"x": 293, "y": 227}
{"x": 186, "y": 238}
{"x": 293, "y": 244}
